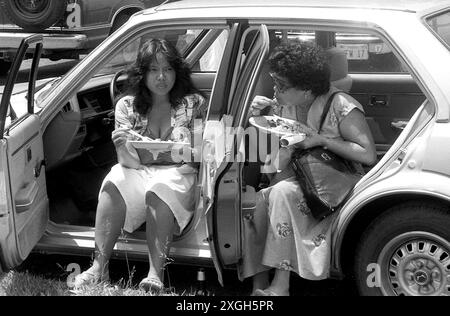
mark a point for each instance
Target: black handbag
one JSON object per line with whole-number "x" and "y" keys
{"x": 326, "y": 179}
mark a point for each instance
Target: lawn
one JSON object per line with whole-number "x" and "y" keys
{"x": 15, "y": 283}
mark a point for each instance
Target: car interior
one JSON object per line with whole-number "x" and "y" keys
{"x": 389, "y": 98}
{"x": 77, "y": 143}
{"x": 79, "y": 151}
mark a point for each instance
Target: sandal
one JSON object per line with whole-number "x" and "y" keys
{"x": 267, "y": 292}
{"x": 151, "y": 284}
{"x": 89, "y": 278}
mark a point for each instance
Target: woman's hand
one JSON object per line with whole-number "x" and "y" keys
{"x": 259, "y": 103}
{"x": 119, "y": 137}
{"x": 313, "y": 139}
{"x": 284, "y": 157}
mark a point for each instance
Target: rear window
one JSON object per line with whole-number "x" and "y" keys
{"x": 440, "y": 24}
{"x": 366, "y": 53}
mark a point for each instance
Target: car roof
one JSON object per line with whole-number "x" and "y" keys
{"x": 397, "y": 5}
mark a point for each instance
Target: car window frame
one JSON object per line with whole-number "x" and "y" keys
{"x": 79, "y": 77}
{"x": 428, "y": 17}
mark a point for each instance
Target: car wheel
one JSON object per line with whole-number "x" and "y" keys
{"x": 406, "y": 252}
{"x": 34, "y": 15}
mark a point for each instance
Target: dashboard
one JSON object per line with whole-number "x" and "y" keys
{"x": 83, "y": 126}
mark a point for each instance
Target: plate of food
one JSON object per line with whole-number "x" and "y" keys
{"x": 277, "y": 125}
{"x": 155, "y": 147}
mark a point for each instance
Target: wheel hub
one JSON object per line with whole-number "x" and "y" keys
{"x": 418, "y": 266}
{"x": 421, "y": 277}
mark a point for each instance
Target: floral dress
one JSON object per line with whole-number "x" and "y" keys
{"x": 173, "y": 182}
{"x": 282, "y": 233}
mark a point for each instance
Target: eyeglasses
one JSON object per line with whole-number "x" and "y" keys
{"x": 281, "y": 85}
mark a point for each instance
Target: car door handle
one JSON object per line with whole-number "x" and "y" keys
{"x": 399, "y": 124}
{"x": 378, "y": 100}
{"x": 37, "y": 169}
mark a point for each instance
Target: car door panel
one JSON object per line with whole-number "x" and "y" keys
{"x": 389, "y": 100}
{"x": 28, "y": 188}
{"x": 24, "y": 210}
{"x": 220, "y": 175}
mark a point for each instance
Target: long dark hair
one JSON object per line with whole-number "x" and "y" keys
{"x": 137, "y": 75}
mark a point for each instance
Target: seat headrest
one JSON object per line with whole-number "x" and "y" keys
{"x": 337, "y": 60}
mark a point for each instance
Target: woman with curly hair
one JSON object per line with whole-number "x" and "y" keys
{"x": 284, "y": 235}
{"x": 161, "y": 103}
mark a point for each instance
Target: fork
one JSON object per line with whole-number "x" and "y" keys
{"x": 144, "y": 138}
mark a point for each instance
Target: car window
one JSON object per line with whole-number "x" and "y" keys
{"x": 18, "y": 107}
{"x": 183, "y": 39}
{"x": 210, "y": 61}
{"x": 366, "y": 53}
{"x": 441, "y": 26}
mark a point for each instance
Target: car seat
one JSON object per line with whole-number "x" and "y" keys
{"x": 337, "y": 60}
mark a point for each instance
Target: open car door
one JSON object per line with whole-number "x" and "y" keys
{"x": 220, "y": 171}
{"x": 23, "y": 194}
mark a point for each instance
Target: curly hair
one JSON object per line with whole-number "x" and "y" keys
{"x": 304, "y": 65}
{"x": 137, "y": 75}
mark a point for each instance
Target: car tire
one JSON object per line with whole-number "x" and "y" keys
{"x": 406, "y": 252}
{"x": 37, "y": 18}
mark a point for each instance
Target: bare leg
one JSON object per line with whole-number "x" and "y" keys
{"x": 160, "y": 228}
{"x": 109, "y": 221}
{"x": 280, "y": 282}
{"x": 260, "y": 281}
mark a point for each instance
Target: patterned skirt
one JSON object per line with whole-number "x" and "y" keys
{"x": 282, "y": 234}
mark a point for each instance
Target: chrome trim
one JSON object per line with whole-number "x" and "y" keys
{"x": 51, "y": 41}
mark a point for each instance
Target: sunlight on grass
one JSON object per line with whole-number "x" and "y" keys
{"x": 16, "y": 283}
{"x": 24, "y": 284}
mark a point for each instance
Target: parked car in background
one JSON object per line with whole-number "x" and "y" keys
{"x": 392, "y": 235}
{"x": 71, "y": 27}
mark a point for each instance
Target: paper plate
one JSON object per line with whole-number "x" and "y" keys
{"x": 276, "y": 125}
{"x": 157, "y": 145}
{"x": 155, "y": 148}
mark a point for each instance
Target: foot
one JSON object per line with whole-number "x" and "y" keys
{"x": 151, "y": 284}
{"x": 90, "y": 277}
{"x": 269, "y": 292}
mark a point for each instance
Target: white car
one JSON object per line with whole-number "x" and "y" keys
{"x": 392, "y": 234}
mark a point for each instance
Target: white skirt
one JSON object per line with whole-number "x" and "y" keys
{"x": 173, "y": 184}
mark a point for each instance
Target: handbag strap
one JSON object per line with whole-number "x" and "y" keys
{"x": 326, "y": 109}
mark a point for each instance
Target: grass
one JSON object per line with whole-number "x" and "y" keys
{"x": 47, "y": 276}
{"x": 15, "y": 283}
{"x": 25, "y": 284}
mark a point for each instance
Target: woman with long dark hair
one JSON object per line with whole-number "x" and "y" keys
{"x": 161, "y": 103}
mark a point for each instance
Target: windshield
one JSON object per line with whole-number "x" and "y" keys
{"x": 183, "y": 40}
